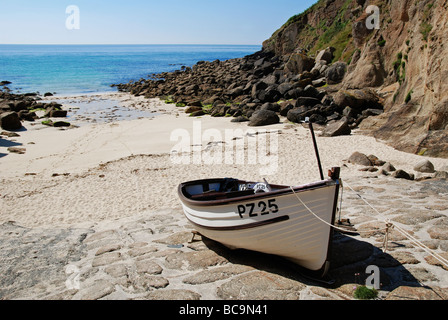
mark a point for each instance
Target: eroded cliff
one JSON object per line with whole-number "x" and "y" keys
{"x": 405, "y": 60}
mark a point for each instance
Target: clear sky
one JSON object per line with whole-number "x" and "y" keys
{"x": 145, "y": 22}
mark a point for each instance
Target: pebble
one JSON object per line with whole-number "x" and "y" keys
{"x": 151, "y": 257}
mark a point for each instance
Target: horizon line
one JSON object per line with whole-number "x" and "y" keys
{"x": 128, "y": 44}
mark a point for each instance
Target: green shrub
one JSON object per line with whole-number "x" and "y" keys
{"x": 364, "y": 293}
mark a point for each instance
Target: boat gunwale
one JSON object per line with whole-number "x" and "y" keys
{"x": 284, "y": 190}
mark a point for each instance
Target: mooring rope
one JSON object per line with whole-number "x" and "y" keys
{"x": 388, "y": 225}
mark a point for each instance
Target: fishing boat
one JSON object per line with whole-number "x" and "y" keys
{"x": 294, "y": 222}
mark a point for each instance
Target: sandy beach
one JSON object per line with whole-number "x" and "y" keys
{"x": 120, "y": 167}
{"x": 97, "y": 174}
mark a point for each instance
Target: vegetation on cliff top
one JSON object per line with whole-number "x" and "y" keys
{"x": 323, "y": 31}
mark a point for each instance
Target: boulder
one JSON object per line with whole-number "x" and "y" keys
{"x": 59, "y": 124}
{"x": 326, "y": 55}
{"x": 336, "y": 72}
{"x": 360, "y": 159}
{"x": 263, "y": 118}
{"x": 336, "y": 128}
{"x": 192, "y": 109}
{"x": 299, "y": 63}
{"x": 284, "y": 88}
{"x": 256, "y": 88}
{"x": 310, "y": 91}
{"x": 294, "y": 93}
{"x": 285, "y": 107}
{"x": 425, "y": 166}
{"x": 362, "y": 99}
{"x": 270, "y": 106}
{"x": 58, "y": 113}
{"x": 401, "y": 174}
{"x": 307, "y": 101}
{"x": 270, "y": 94}
{"x": 10, "y": 121}
{"x": 295, "y": 115}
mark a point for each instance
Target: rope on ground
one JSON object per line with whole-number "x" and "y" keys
{"x": 414, "y": 240}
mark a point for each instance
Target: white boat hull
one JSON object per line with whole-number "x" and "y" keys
{"x": 274, "y": 222}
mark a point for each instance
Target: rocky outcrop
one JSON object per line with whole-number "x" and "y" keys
{"x": 260, "y": 88}
{"x": 404, "y": 61}
{"x": 16, "y": 108}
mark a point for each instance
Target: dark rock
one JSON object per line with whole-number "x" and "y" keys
{"x": 236, "y": 92}
{"x": 307, "y": 101}
{"x": 192, "y": 109}
{"x": 310, "y": 91}
{"x": 270, "y": 106}
{"x": 194, "y": 103}
{"x": 336, "y": 72}
{"x": 284, "y": 88}
{"x": 270, "y": 94}
{"x": 299, "y": 63}
{"x": 263, "y": 118}
{"x": 20, "y": 105}
{"x": 61, "y": 124}
{"x": 401, "y": 174}
{"x": 295, "y": 115}
{"x": 10, "y": 121}
{"x": 293, "y": 93}
{"x": 256, "y": 88}
{"x": 197, "y": 113}
{"x": 58, "y": 113}
{"x": 318, "y": 118}
{"x": 28, "y": 116}
{"x": 48, "y": 94}
{"x": 285, "y": 107}
{"x": 336, "y": 128}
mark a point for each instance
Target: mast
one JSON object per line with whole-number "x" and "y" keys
{"x": 307, "y": 120}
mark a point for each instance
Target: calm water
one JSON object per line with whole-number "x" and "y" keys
{"x": 72, "y": 69}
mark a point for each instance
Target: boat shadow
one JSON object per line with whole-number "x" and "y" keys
{"x": 349, "y": 262}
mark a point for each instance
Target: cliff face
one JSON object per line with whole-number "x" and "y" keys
{"x": 405, "y": 61}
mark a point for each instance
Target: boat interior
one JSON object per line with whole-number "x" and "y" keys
{"x": 219, "y": 189}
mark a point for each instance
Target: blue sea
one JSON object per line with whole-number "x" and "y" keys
{"x": 81, "y": 69}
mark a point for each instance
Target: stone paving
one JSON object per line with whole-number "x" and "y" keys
{"x": 154, "y": 256}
